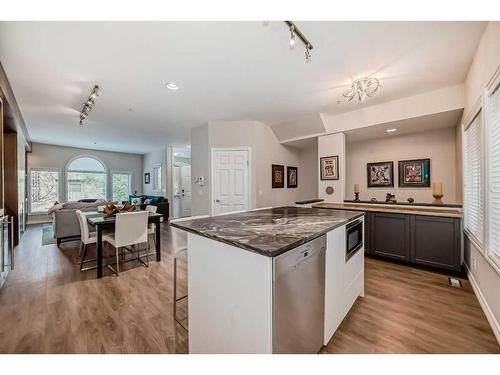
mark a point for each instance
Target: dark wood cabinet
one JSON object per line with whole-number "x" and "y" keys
{"x": 418, "y": 239}
{"x": 391, "y": 236}
{"x": 437, "y": 242}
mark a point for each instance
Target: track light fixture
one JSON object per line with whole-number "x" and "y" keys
{"x": 295, "y": 32}
{"x": 89, "y": 104}
{"x": 292, "y": 37}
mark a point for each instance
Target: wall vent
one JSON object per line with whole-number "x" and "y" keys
{"x": 456, "y": 283}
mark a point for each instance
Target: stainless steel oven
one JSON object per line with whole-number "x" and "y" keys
{"x": 354, "y": 238}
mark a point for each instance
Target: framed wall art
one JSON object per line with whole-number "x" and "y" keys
{"x": 380, "y": 174}
{"x": 291, "y": 177}
{"x": 414, "y": 173}
{"x": 329, "y": 167}
{"x": 278, "y": 176}
{"x": 147, "y": 178}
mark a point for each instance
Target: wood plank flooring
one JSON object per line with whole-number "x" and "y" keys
{"x": 48, "y": 306}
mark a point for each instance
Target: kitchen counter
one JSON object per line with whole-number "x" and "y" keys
{"x": 391, "y": 208}
{"x": 269, "y": 232}
{"x": 255, "y": 277}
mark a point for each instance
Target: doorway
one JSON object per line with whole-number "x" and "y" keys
{"x": 181, "y": 182}
{"x": 230, "y": 176}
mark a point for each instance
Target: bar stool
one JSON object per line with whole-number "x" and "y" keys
{"x": 180, "y": 254}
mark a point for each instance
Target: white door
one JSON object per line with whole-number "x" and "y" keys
{"x": 176, "y": 188}
{"x": 186, "y": 190}
{"x": 229, "y": 181}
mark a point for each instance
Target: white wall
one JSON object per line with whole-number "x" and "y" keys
{"x": 439, "y": 145}
{"x": 266, "y": 150}
{"x": 149, "y": 160}
{"x": 332, "y": 145}
{"x": 308, "y": 171}
{"x": 51, "y": 156}
{"x": 200, "y": 167}
{"x": 485, "y": 279}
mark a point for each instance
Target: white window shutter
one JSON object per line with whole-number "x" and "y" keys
{"x": 492, "y": 121}
{"x": 473, "y": 175}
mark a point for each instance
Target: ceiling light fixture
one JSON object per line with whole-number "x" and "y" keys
{"x": 295, "y": 32}
{"x": 89, "y": 104}
{"x": 172, "y": 86}
{"x": 391, "y": 130}
{"x": 361, "y": 88}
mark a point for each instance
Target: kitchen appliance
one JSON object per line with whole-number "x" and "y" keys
{"x": 6, "y": 247}
{"x": 354, "y": 238}
{"x": 299, "y": 298}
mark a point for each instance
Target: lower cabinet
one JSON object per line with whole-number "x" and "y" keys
{"x": 391, "y": 236}
{"x": 424, "y": 240}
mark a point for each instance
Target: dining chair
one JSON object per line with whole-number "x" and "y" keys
{"x": 151, "y": 228}
{"x": 86, "y": 238}
{"x": 131, "y": 229}
{"x": 180, "y": 254}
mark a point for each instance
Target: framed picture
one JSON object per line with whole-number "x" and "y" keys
{"x": 329, "y": 167}
{"x": 291, "y": 177}
{"x": 147, "y": 178}
{"x": 414, "y": 173}
{"x": 278, "y": 176}
{"x": 380, "y": 174}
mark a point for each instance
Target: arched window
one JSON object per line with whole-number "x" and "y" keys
{"x": 85, "y": 179}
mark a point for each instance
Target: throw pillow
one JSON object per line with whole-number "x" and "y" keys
{"x": 136, "y": 201}
{"x": 148, "y": 201}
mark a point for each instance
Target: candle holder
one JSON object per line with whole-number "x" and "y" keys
{"x": 437, "y": 192}
{"x": 356, "y": 196}
{"x": 437, "y": 198}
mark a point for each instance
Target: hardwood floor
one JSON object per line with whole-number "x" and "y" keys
{"x": 48, "y": 306}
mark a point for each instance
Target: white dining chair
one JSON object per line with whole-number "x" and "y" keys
{"x": 131, "y": 229}
{"x": 151, "y": 228}
{"x": 86, "y": 238}
{"x": 179, "y": 240}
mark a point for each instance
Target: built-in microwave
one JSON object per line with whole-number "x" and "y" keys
{"x": 354, "y": 238}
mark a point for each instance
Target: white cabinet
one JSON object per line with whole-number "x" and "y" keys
{"x": 344, "y": 281}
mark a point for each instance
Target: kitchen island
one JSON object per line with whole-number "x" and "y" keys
{"x": 270, "y": 281}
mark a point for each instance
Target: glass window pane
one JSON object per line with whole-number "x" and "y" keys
{"x": 121, "y": 186}
{"x": 86, "y": 185}
{"x": 86, "y": 163}
{"x": 44, "y": 190}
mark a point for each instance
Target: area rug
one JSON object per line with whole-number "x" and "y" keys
{"x": 48, "y": 234}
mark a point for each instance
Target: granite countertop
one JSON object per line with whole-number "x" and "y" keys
{"x": 392, "y": 208}
{"x": 269, "y": 232}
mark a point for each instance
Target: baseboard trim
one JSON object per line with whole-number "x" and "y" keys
{"x": 495, "y": 326}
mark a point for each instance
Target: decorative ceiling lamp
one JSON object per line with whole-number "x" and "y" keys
{"x": 295, "y": 32}
{"x": 89, "y": 104}
{"x": 362, "y": 88}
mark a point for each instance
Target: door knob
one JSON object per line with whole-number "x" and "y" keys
{"x": 217, "y": 201}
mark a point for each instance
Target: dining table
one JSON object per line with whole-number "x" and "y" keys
{"x": 102, "y": 222}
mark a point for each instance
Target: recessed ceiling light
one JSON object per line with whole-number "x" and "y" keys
{"x": 172, "y": 86}
{"x": 391, "y": 130}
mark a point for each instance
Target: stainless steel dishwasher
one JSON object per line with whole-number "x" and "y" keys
{"x": 299, "y": 298}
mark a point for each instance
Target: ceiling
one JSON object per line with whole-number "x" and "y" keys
{"x": 225, "y": 71}
{"x": 419, "y": 124}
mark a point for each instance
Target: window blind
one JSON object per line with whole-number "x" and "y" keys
{"x": 473, "y": 190}
{"x": 492, "y": 122}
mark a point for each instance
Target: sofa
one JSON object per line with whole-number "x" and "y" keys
{"x": 153, "y": 200}
{"x": 65, "y": 222}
